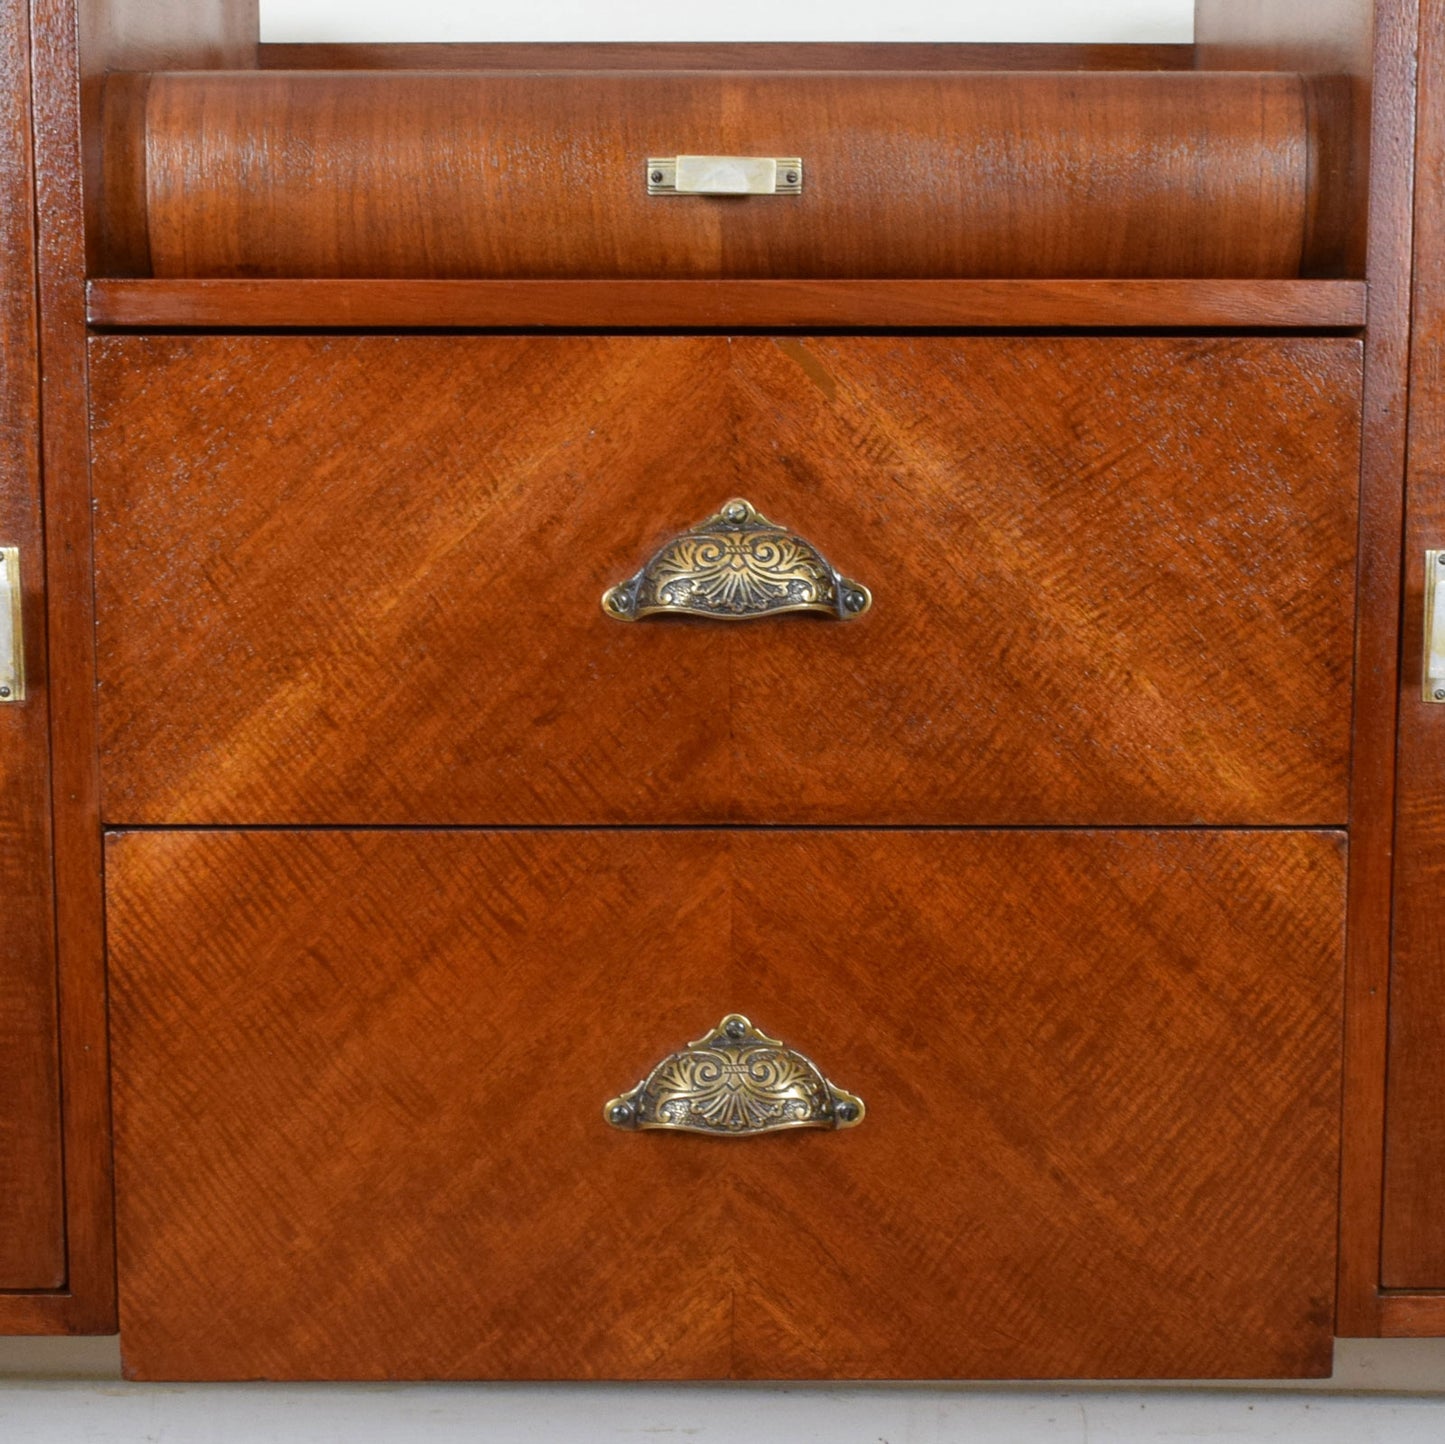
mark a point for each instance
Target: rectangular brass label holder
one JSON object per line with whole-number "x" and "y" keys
{"x": 724, "y": 175}
{"x": 12, "y": 633}
{"x": 1433, "y": 672}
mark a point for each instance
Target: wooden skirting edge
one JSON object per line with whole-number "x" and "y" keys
{"x": 1406, "y": 1316}
{"x": 582, "y": 305}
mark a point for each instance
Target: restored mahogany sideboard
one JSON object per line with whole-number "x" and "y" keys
{"x": 722, "y": 711}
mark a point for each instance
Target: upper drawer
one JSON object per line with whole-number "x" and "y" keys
{"x": 359, "y": 579}
{"x": 366, "y": 174}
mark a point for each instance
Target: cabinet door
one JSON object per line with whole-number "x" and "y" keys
{"x": 1413, "y": 1255}
{"x": 32, "y": 1235}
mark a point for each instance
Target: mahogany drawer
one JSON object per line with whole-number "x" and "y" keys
{"x": 359, "y": 1081}
{"x": 357, "y": 580}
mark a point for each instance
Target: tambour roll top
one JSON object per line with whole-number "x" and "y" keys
{"x": 946, "y": 175}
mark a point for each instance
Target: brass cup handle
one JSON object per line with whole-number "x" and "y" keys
{"x": 736, "y": 566}
{"x": 735, "y": 1082}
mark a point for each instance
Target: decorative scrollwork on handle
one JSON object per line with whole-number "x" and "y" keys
{"x": 735, "y": 1082}
{"x": 735, "y": 566}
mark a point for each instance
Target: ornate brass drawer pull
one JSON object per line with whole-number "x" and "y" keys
{"x": 734, "y": 1082}
{"x": 737, "y": 565}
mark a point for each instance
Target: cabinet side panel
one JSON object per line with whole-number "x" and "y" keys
{"x": 32, "y": 1233}
{"x": 1375, "y": 44}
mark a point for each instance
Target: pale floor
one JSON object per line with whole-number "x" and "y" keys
{"x": 68, "y": 1391}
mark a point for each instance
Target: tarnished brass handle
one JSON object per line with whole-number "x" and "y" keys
{"x": 735, "y": 566}
{"x": 735, "y": 1082}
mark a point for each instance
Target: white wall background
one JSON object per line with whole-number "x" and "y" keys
{"x": 1063, "y": 20}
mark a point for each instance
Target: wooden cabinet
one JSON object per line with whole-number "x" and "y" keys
{"x": 384, "y": 855}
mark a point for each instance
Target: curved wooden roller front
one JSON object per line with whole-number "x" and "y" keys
{"x": 457, "y": 175}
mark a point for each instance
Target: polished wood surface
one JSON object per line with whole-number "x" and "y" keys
{"x": 358, "y": 580}
{"x": 1412, "y": 1315}
{"x": 141, "y": 35}
{"x": 1376, "y": 44}
{"x": 73, "y": 45}
{"x": 722, "y": 55}
{"x": 359, "y": 1081}
{"x": 1330, "y": 37}
{"x": 1414, "y": 1229}
{"x": 32, "y": 1212}
{"x": 450, "y": 175}
{"x": 703, "y": 305}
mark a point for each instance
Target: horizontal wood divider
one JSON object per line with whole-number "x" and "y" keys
{"x": 643, "y": 305}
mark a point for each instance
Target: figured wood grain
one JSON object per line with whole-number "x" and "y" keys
{"x": 359, "y": 579}
{"x": 32, "y": 1214}
{"x": 699, "y": 305}
{"x": 721, "y": 55}
{"x": 359, "y": 1081}
{"x": 1377, "y": 45}
{"x": 73, "y": 45}
{"x": 1413, "y": 1254}
{"x": 450, "y": 175}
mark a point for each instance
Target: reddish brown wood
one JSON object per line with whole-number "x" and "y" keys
{"x": 1278, "y": 33}
{"x": 1377, "y": 654}
{"x": 359, "y": 1081}
{"x": 1324, "y": 37}
{"x": 1412, "y": 1315}
{"x": 1376, "y": 44}
{"x": 359, "y": 579}
{"x": 119, "y": 33}
{"x": 1414, "y": 1229}
{"x": 715, "y": 55}
{"x": 142, "y": 35}
{"x": 584, "y": 305}
{"x": 457, "y": 175}
{"x": 32, "y": 1217}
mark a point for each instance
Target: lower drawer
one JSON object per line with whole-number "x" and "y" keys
{"x": 359, "y": 579}
{"x": 360, "y": 1081}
